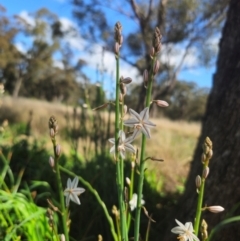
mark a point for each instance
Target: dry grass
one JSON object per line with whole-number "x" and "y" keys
{"x": 172, "y": 141}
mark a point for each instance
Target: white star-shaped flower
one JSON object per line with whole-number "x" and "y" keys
{"x": 123, "y": 144}
{"x": 72, "y": 191}
{"x": 185, "y": 231}
{"x": 140, "y": 122}
{"x": 133, "y": 202}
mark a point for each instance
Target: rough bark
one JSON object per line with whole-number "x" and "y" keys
{"x": 222, "y": 124}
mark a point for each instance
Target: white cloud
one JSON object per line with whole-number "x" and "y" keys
{"x": 20, "y": 47}
{"x": 27, "y": 17}
{"x": 173, "y": 55}
{"x": 58, "y": 64}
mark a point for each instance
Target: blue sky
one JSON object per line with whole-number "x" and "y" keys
{"x": 202, "y": 76}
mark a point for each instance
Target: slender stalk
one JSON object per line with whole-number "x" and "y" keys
{"x": 142, "y": 160}
{"x": 95, "y": 193}
{"x": 199, "y": 206}
{"x": 60, "y": 193}
{"x": 119, "y": 164}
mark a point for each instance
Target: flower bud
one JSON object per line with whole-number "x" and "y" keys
{"x": 205, "y": 172}
{"x": 116, "y": 48}
{"x": 198, "y": 181}
{"x": 58, "y": 150}
{"x": 62, "y": 237}
{"x": 215, "y": 209}
{"x": 123, "y": 89}
{"x": 121, "y": 41}
{"x": 152, "y": 52}
{"x": 161, "y": 103}
{"x": 126, "y": 81}
{"x": 51, "y": 161}
{"x": 156, "y": 67}
{"x": 210, "y": 154}
{"x": 120, "y": 97}
{"x": 133, "y": 165}
{"x": 52, "y": 133}
{"x": 128, "y": 181}
{"x": 203, "y": 158}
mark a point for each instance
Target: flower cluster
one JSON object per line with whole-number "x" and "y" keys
{"x": 140, "y": 123}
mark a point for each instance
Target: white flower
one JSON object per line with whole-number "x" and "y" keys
{"x": 72, "y": 191}
{"x": 185, "y": 231}
{"x": 133, "y": 202}
{"x": 123, "y": 145}
{"x": 140, "y": 122}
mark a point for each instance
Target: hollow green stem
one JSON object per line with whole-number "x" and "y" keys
{"x": 119, "y": 164}
{"x": 142, "y": 159}
{"x": 199, "y": 206}
{"x": 60, "y": 192}
{"x": 96, "y": 195}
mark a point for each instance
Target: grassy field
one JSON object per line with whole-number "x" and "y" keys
{"x": 173, "y": 141}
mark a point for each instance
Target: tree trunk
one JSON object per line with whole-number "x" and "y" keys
{"x": 222, "y": 124}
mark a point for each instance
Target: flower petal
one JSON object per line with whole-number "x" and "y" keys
{"x": 74, "y": 182}
{"x": 135, "y": 114}
{"x": 69, "y": 183}
{"x": 130, "y": 148}
{"x": 112, "y": 140}
{"x": 144, "y": 114}
{"x": 75, "y": 198}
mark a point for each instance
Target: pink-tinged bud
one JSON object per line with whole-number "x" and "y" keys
{"x": 203, "y": 158}
{"x": 128, "y": 181}
{"x": 58, "y": 150}
{"x": 52, "y": 133}
{"x": 62, "y": 237}
{"x": 123, "y": 89}
{"x": 121, "y": 41}
{"x": 161, "y": 103}
{"x": 126, "y": 81}
{"x": 205, "y": 172}
{"x": 116, "y": 48}
{"x": 120, "y": 97}
{"x": 156, "y": 67}
{"x": 152, "y": 52}
{"x": 215, "y": 209}
{"x": 51, "y": 161}
{"x": 210, "y": 154}
{"x": 198, "y": 181}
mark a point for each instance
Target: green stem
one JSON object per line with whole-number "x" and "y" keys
{"x": 199, "y": 206}
{"x": 95, "y": 193}
{"x": 62, "y": 204}
{"x": 119, "y": 161}
{"x": 60, "y": 192}
{"x": 142, "y": 159}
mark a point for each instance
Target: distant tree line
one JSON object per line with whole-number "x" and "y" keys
{"x": 34, "y": 72}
